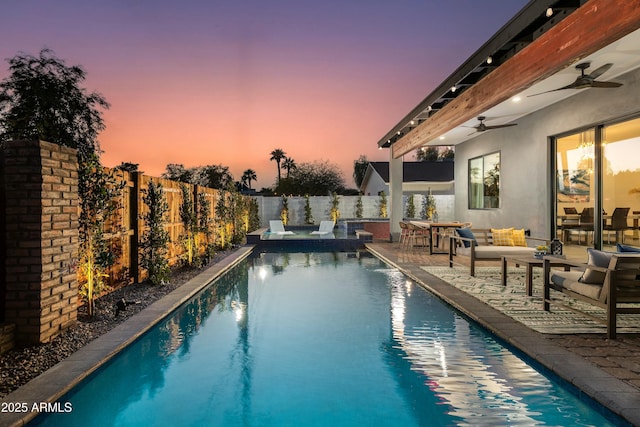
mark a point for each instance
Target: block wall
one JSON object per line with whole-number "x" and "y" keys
{"x": 41, "y": 239}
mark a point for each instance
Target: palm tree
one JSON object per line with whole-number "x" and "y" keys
{"x": 248, "y": 176}
{"x": 289, "y": 164}
{"x": 278, "y": 154}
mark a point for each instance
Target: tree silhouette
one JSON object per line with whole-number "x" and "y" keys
{"x": 359, "y": 170}
{"x": 289, "y": 164}
{"x": 129, "y": 167}
{"x": 278, "y": 155}
{"x": 42, "y": 99}
{"x": 248, "y": 176}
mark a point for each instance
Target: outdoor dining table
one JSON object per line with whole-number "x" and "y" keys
{"x": 430, "y": 226}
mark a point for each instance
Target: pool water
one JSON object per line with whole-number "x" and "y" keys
{"x": 319, "y": 339}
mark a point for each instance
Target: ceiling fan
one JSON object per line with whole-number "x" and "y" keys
{"x": 482, "y": 127}
{"x": 587, "y": 80}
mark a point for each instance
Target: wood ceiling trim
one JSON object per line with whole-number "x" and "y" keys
{"x": 590, "y": 28}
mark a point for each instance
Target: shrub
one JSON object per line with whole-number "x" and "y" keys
{"x": 334, "y": 213}
{"x": 155, "y": 240}
{"x": 411, "y": 208}
{"x": 382, "y": 205}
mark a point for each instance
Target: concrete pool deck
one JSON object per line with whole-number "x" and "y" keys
{"x": 615, "y": 389}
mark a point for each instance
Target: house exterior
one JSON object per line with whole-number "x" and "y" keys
{"x": 555, "y": 98}
{"x": 417, "y": 178}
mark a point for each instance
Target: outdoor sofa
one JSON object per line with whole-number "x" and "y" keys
{"x": 490, "y": 244}
{"x": 608, "y": 280}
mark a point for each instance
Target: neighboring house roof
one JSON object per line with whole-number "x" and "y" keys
{"x": 418, "y": 171}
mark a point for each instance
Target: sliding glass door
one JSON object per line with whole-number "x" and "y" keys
{"x": 597, "y": 180}
{"x": 575, "y": 187}
{"x": 621, "y": 182}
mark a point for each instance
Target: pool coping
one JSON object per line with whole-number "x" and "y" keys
{"x": 54, "y": 383}
{"x": 604, "y": 388}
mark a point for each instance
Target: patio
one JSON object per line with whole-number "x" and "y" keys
{"x": 606, "y": 370}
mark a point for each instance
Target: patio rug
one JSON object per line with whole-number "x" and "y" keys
{"x": 513, "y": 301}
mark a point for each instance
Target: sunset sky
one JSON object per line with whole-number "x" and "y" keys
{"x": 203, "y": 82}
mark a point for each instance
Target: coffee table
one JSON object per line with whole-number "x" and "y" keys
{"x": 529, "y": 262}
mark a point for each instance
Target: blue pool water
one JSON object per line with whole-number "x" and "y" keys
{"x": 318, "y": 339}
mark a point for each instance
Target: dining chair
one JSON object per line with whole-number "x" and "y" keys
{"x": 618, "y": 224}
{"x": 585, "y": 224}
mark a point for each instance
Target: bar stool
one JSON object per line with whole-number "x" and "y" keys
{"x": 404, "y": 234}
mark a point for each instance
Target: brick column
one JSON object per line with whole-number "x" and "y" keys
{"x": 41, "y": 239}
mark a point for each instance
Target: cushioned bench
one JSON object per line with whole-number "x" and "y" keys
{"x": 482, "y": 245}
{"x": 608, "y": 280}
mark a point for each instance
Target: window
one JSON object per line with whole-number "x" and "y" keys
{"x": 484, "y": 182}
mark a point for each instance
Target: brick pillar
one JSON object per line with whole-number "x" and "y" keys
{"x": 41, "y": 240}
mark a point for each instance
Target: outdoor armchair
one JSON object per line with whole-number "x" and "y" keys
{"x": 608, "y": 280}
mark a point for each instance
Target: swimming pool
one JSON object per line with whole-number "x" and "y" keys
{"x": 310, "y": 339}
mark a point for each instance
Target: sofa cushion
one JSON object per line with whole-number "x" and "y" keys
{"x": 495, "y": 252}
{"x": 467, "y": 234}
{"x": 627, "y": 248}
{"x": 571, "y": 280}
{"x": 599, "y": 259}
{"x": 502, "y": 236}
{"x": 519, "y": 238}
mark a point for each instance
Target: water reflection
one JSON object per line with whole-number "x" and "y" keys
{"x": 475, "y": 379}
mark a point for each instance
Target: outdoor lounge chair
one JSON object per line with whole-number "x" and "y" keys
{"x": 277, "y": 227}
{"x": 491, "y": 245}
{"x": 326, "y": 227}
{"x": 609, "y": 280}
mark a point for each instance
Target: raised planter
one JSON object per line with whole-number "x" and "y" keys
{"x": 378, "y": 227}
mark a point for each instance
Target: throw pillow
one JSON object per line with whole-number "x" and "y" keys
{"x": 467, "y": 234}
{"x": 627, "y": 248}
{"x": 598, "y": 259}
{"x": 502, "y": 237}
{"x": 518, "y": 238}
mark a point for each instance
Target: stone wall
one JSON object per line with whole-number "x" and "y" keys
{"x": 41, "y": 239}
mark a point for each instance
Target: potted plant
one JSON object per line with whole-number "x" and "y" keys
{"x": 541, "y": 251}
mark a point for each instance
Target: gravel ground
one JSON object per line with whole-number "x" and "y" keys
{"x": 19, "y": 365}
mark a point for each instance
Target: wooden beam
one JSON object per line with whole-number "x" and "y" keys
{"x": 593, "y": 26}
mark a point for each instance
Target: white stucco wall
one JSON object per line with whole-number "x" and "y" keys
{"x": 526, "y": 185}
{"x": 270, "y": 207}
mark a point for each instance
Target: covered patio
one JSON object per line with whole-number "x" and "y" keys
{"x": 548, "y": 110}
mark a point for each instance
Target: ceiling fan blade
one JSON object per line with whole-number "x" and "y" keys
{"x": 571, "y": 86}
{"x": 605, "y": 84}
{"x": 501, "y": 126}
{"x": 600, "y": 71}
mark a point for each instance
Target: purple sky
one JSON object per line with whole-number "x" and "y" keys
{"x": 212, "y": 82}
